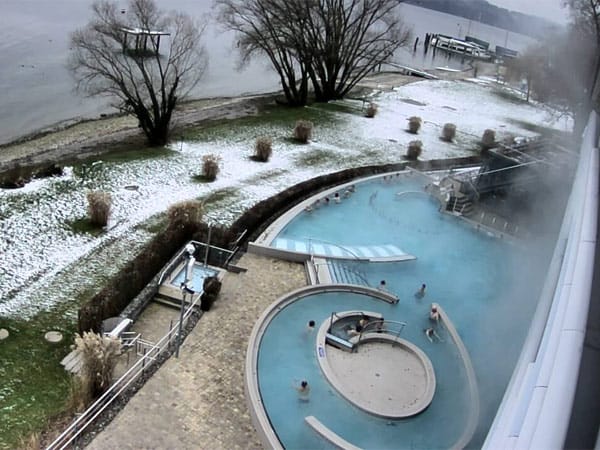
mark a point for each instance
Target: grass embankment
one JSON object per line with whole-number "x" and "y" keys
{"x": 35, "y": 385}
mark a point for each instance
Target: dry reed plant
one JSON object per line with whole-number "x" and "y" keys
{"x": 415, "y": 148}
{"x": 263, "y": 148}
{"x": 303, "y": 131}
{"x": 99, "y": 205}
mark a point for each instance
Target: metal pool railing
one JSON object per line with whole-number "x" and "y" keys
{"x": 150, "y": 353}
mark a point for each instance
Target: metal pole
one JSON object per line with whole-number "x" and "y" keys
{"x": 179, "y": 331}
{"x": 207, "y": 246}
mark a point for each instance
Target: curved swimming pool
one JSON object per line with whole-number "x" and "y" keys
{"x": 287, "y": 355}
{"x": 477, "y": 278}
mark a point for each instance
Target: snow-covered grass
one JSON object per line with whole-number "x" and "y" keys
{"x": 38, "y": 243}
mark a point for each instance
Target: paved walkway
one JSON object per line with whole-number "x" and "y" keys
{"x": 198, "y": 400}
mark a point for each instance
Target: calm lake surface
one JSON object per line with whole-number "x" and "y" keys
{"x": 37, "y": 90}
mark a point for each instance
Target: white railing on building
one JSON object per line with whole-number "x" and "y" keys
{"x": 148, "y": 353}
{"x": 536, "y": 408}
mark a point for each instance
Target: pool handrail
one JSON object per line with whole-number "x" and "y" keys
{"x": 373, "y": 327}
{"x": 179, "y": 256}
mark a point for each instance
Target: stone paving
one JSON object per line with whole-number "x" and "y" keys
{"x": 198, "y": 400}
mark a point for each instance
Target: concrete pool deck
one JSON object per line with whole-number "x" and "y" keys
{"x": 198, "y": 400}
{"x": 383, "y": 379}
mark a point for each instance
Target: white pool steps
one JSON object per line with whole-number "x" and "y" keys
{"x": 387, "y": 252}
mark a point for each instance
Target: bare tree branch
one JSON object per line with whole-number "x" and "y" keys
{"x": 334, "y": 43}
{"x": 122, "y": 56}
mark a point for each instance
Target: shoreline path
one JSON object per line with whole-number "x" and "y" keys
{"x": 95, "y": 137}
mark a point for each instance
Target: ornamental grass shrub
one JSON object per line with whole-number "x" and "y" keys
{"x": 414, "y": 124}
{"x": 30, "y": 442}
{"x": 488, "y": 140}
{"x": 263, "y": 148}
{"x": 371, "y": 110}
{"x": 99, "y": 205}
{"x": 303, "y": 131}
{"x": 414, "y": 150}
{"x": 185, "y": 214}
{"x": 99, "y": 356}
{"x": 210, "y": 167}
{"x": 448, "y": 132}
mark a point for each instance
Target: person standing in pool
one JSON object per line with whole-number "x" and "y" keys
{"x": 303, "y": 390}
{"x": 434, "y": 314}
{"x": 421, "y": 292}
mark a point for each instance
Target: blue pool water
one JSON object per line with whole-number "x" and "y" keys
{"x": 200, "y": 273}
{"x": 287, "y": 355}
{"x": 478, "y": 279}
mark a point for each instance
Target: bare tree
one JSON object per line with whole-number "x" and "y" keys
{"x": 332, "y": 43}
{"x": 528, "y": 66}
{"x": 264, "y": 27}
{"x": 585, "y": 15}
{"x": 119, "y": 54}
{"x": 346, "y": 39}
{"x": 559, "y": 73}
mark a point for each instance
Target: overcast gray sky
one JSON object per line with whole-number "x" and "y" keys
{"x": 549, "y": 9}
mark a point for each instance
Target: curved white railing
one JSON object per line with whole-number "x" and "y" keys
{"x": 536, "y": 408}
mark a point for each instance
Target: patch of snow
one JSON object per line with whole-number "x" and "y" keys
{"x": 45, "y": 263}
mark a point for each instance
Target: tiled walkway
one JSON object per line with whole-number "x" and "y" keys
{"x": 198, "y": 401}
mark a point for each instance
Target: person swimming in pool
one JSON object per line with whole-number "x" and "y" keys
{"x": 431, "y": 334}
{"x": 421, "y": 292}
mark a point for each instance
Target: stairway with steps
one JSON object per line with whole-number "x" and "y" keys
{"x": 341, "y": 273}
{"x": 460, "y": 204}
{"x": 172, "y": 302}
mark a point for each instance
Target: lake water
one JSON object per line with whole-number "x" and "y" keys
{"x": 37, "y": 90}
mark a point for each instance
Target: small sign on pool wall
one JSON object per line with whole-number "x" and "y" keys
{"x": 321, "y": 352}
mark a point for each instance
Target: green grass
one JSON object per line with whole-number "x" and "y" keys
{"x": 30, "y": 365}
{"x": 275, "y": 121}
{"x": 34, "y": 385}
{"x": 138, "y": 153}
{"x": 219, "y": 196}
{"x": 264, "y": 176}
{"x": 320, "y": 157}
{"x": 154, "y": 224}
{"x": 83, "y": 225}
{"x": 539, "y": 129}
{"x": 202, "y": 179}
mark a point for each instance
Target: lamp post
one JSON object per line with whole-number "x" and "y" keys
{"x": 185, "y": 289}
